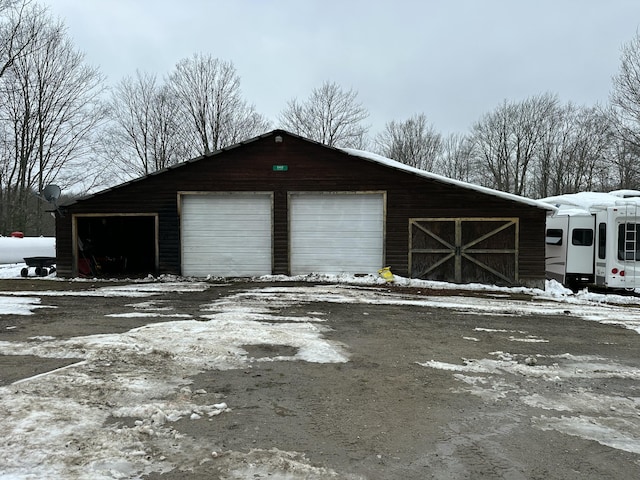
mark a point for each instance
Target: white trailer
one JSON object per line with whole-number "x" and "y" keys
{"x": 594, "y": 239}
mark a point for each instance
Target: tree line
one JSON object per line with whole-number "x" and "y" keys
{"x": 60, "y": 123}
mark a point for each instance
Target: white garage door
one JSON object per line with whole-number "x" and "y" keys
{"x": 336, "y": 233}
{"x": 226, "y": 235}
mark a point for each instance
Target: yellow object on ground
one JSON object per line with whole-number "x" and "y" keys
{"x": 386, "y": 274}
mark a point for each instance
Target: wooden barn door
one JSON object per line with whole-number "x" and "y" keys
{"x": 464, "y": 250}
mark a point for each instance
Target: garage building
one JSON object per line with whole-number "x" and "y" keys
{"x": 283, "y": 204}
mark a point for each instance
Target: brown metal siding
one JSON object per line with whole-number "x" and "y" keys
{"x": 280, "y": 234}
{"x": 311, "y": 167}
{"x": 63, "y": 245}
{"x": 432, "y": 199}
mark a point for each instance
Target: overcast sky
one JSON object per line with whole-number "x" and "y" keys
{"x": 453, "y": 60}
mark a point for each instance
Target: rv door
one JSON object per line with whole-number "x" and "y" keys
{"x": 556, "y": 247}
{"x": 604, "y": 249}
{"x": 580, "y": 250}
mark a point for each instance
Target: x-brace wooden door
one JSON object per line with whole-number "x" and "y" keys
{"x": 464, "y": 250}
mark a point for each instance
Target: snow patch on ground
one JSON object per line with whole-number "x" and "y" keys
{"x": 19, "y": 305}
{"x": 71, "y": 422}
{"x": 609, "y": 431}
{"x": 608, "y": 419}
{"x": 58, "y": 424}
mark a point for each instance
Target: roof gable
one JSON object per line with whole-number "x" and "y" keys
{"x": 368, "y": 156}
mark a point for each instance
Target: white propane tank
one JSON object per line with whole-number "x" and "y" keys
{"x": 15, "y": 248}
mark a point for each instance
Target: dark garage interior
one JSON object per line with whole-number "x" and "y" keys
{"x": 116, "y": 245}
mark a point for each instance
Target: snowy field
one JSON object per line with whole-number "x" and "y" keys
{"x": 53, "y": 422}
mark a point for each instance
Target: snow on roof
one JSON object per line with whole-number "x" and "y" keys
{"x": 586, "y": 201}
{"x": 626, "y": 193}
{"x": 439, "y": 178}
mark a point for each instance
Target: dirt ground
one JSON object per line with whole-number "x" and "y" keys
{"x": 381, "y": 415}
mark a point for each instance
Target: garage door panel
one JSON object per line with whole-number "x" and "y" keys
{"x": 248, "y": 214}
{"x": 352, "y": 229}
{"x": 247, "y": 222}
{"x": 369, "y": 245}
{"x": 358, "y": 211}
{"x": 226, "y": 235}
{"x": 216, "y": 250}
{"x": 227, "y": 238}
{"x": 325, "y": 265}
{"x": 336, "y": 233}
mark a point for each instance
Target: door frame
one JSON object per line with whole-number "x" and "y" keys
{"x": 224, "y": 194}
{"x": 75, "y": 247}
{"x": 291, "y": 195}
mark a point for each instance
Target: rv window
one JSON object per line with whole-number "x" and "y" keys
{"x": 628, "y": 241}
{"x": 554, "y": 236}
{"x": 582, "y": 237}
{"x": 602, "y": 240}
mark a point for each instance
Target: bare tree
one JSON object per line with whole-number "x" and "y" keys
{"x": 625, "y": 96}
{"x": 494, "y": 149}
{"x": 213, "y": 112}
{"x": 144, "y": 132}
{"x": 549, "y": 167}
{"x": 626, "y": 166}
{"x": 586, "y": 153}
{"x": 625, "y": 103}
{"x": 624, "y": 154}
{"x": 52, "y": 105}
{"x": 413, "y": 142}
{"x": 19, "y": 29}
{"x": 331, "y": 116}
{"x": 456, "y": 159}
{"x": 573, "y": 153}
{"x": 506, "y": 142}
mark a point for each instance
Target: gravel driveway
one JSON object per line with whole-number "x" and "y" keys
{"x": 457, "y": 391}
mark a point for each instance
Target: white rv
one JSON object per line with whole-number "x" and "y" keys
{"x": 594, "y": 239}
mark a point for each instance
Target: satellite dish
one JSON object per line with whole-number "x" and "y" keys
{"x": 51, "y": 193}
